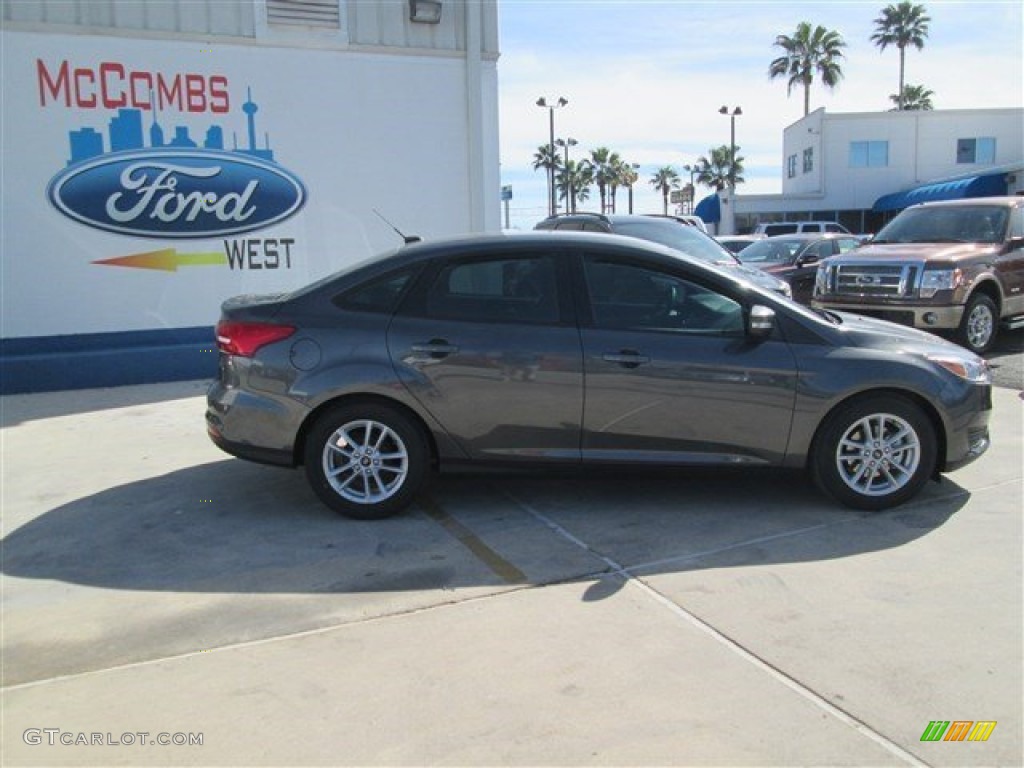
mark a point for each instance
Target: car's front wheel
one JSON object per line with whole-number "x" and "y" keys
{"x": 366, "y": 461}
{"x": 874, "y": 453}
{"x": 978, "y": 328}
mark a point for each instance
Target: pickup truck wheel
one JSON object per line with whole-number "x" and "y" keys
{"x": 978, "y": 328}
{"x": 874, "y": 453}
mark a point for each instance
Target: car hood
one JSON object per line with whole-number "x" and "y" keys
{"x": 872, "y": 332}
{"x": 919, "y": 251}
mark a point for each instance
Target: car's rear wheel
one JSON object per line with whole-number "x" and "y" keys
{"x": 978, "y": 327}
{"x": 366, "y": 461}
{"x": 874, "y": 453}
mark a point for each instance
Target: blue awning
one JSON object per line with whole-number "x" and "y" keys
{"x": 709, "y": 209}
{"x": 972, "y": 186}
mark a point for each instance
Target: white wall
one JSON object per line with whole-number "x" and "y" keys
{"x": 363, "y": 131}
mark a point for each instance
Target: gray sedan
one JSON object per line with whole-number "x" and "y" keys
{"x": 579, "y": 349}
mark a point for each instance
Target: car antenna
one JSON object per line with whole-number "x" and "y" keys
{"x": 409, "y": 239}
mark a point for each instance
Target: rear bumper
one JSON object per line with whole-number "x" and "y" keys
{"x": 253, "y": 426}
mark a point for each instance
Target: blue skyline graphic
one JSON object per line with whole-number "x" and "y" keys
{"x": 125, "y": 131}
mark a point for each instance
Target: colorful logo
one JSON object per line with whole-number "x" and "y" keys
{"x": 177, "y": 193}
{"x": 173, "y": 188}
{"x": 958, "y": 730}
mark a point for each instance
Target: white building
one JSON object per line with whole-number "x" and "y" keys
{"x": 853, "y": 167}
{"x": 162, "y": 156}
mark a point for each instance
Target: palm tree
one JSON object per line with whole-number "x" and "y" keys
{"x": 602, "y": 162}
{"x": 901, "y": 25}
{"x": 629, "y": 178}
{"x": 617, "y": 177}
{"x": 807, "y": 52}
{"x": 915, "y": 97}
{"x": 665, "y": 180}
{"x": 547, "y": 157}
{"x": 575, "y": 177}
{"x": 716, "y": 172}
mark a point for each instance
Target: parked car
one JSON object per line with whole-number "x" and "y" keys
{"x": 955, "y": 267}
{"x": 574, "y": 349}
{"x": 667, "y": 230}
{"x": 775, "y": 228}
{"x": 736, "y": 243}
{"x": 794, "y": 258}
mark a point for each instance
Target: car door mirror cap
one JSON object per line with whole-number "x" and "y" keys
{"x": 761, "y": 322}
{"x": 808, "y": 260}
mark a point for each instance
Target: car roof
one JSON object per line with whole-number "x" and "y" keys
{"x": 1010, "y": 201}
{"x": 810, "y": 236}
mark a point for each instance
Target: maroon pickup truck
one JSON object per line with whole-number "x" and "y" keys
{"x": 953, "y": 266}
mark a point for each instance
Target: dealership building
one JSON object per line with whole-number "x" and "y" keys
{"x": 161, "y": 157}
{"x": 860, "y": 169}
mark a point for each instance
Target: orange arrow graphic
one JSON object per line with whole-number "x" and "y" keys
{"x": 167, "y": 259}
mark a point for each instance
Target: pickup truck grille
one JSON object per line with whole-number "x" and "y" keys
{"x": 874, "y": 280}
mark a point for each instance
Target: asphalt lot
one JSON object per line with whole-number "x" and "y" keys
{"x": 153, "y": 585}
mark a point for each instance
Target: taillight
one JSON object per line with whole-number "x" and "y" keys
{"x": 243, "y": 339}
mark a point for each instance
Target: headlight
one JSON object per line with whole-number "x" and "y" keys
{"x": 970, "y": 368}
{"x": 935, "y": 280}
{"x": 786, "y": 290}
{"x": 821, "y": 280}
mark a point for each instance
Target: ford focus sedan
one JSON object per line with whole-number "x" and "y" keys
{"x": 577, "y": 349}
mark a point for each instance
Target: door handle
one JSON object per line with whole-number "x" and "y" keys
{"x": 436, "y": 348}
{"x": 627, "y": 358}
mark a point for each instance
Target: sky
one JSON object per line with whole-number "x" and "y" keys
{"x": 646, "y": 79}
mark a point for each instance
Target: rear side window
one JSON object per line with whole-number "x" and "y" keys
{"x": 379, "y": 295}
{"x": 521, "y": 290}
{"x": 780, "y": 229}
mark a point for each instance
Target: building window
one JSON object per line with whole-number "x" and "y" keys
{"x": 808, "y": 159}
{"x": 791, "y": 166}
{"x": 869, "y": 154}
{"x": 981, "y": 150}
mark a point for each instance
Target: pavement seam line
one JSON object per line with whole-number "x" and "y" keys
{"x": 775, "y": 673}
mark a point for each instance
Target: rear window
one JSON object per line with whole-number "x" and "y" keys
{"x": 780, "y": 229}
{"x": 379, "y": 295}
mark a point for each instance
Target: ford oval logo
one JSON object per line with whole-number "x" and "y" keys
{"x": 177, "y": 193}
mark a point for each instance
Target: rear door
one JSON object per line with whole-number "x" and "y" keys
{"x": 489, "y": 346}
{"x": 671, "y": 376}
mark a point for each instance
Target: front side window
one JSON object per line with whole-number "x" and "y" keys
{"x": 631, "y": 297}
{"x": 869, "y": 154}
{"x": 522, "y": 290}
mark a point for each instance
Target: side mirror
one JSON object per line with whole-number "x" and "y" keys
{"x": 806, "y": 261}
{"x": 761, "y": 321}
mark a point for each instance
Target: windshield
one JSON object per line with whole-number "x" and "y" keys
{"x": 689, "y": 240}
{"x": 947, "y": 224}
{"x": 775, "y": 250}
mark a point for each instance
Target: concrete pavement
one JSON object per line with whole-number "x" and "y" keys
{"x": 153, "y": 585}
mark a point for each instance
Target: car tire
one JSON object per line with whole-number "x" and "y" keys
{"x": 874, "y": 453}
{"x": 366, "y": 461}
{"x": 980, "y": 322}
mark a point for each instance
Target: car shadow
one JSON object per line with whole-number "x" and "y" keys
{"x": 231, "y": 552}
{"x": 234, "y": 527}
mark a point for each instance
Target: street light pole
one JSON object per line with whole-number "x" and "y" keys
{"x": 551, "y": 107}
{"x": 569, "y": 202}
{"x": 732, "y": 142}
